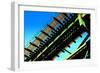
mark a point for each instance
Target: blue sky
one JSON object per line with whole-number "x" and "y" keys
{"x": 34, "y": 22}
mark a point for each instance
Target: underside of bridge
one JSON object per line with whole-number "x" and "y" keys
{"x": 66, "y": 37}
